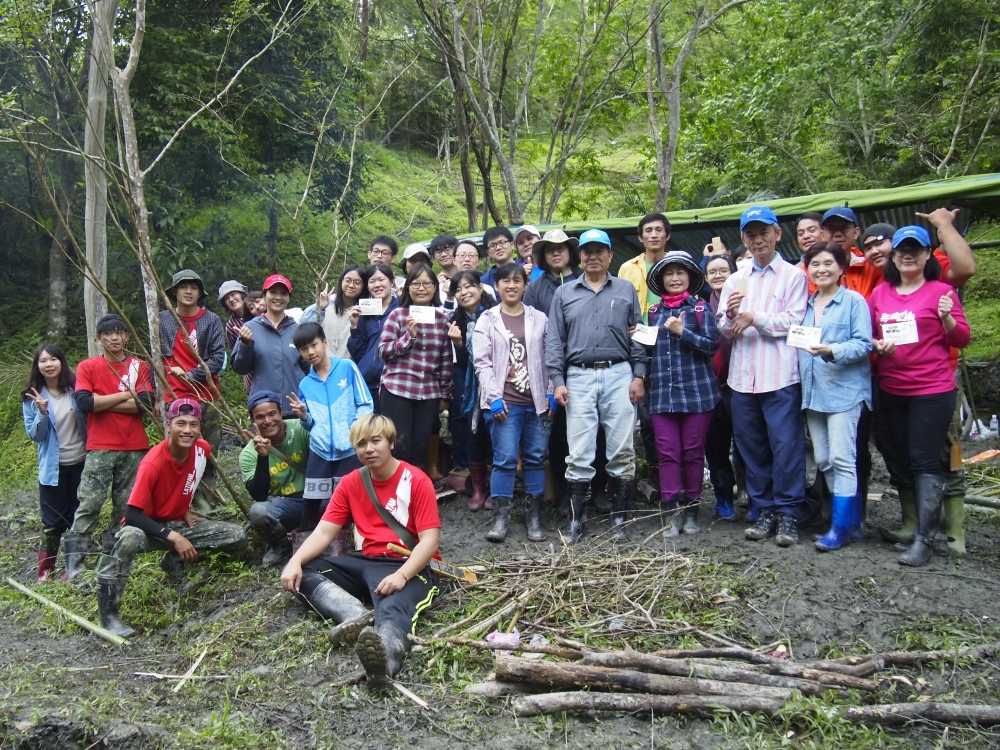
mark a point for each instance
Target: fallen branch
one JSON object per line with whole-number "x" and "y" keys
{"x": 354, "y": 679}
{"x": 474, "y": 615}
{"x": 413, "y": 696}
{"x": 742, "y": 654}
{"x": 579, "y": 676}
{"x": 726, "y": 673}
{"x": 187, "y": 675}
{"x": 83, "y": 623}
{"x": 897, "y": 714}
{"x": 554, "y": 703}
{"x": 158, "y": 676}
{"x": 458, "y": 640}
{"x": 908, "y": 658}
{"x": 497, "y": 689}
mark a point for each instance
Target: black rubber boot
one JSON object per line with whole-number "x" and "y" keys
{"x": 333, "y": 603}
{"x": 279, "y": 546}
{"x": 74, "y": 552}
{"x": 172, "y": 565}
{"x": 110, "y": 587}
{"x": 501, "y": 520}
{"x": 621, "y": 495}
{"x": 381, "y": 652}
{"x": 929, "y": 492}
{"x": 533, "y": 517}
{"x": 577, "y": 510}
{"x": 908, "y": 509}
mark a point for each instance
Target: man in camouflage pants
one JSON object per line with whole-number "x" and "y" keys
{"x": 158, "y": 514}
{"x": 113, "y": 390}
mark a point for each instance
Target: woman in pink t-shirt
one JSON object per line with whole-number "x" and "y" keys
{"x": 915, "y": 319}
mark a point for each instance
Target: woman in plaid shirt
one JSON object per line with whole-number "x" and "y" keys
{"x": 416, "y": 381}
{"x": 683, "y": 386}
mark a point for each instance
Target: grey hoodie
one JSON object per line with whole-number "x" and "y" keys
{"x": 272, "y": 359}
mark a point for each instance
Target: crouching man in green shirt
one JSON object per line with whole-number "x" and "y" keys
{"x": 273, "y": 465}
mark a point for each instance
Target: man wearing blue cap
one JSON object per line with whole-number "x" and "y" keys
{"x": 274, "y": 465}
{"x": 597, "y": 370}
{"x": 757, "y": 307}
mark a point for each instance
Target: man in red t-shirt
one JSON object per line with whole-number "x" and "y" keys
{"x": 203, "y": 333}
{"x": 158, "y": 515}
{"x": 399, "y": 587}
{"x": 113, "y": 390}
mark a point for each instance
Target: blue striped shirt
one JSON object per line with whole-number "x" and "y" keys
{"x": 682, "y": 379}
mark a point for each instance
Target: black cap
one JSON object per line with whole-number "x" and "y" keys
{"x": 885, "y": 231}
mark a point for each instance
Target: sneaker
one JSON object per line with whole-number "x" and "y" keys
{"x": 767, "y": 523}
{"x": 788, "y": 530}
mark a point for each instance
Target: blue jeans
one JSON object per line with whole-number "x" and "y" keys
{"x": 276, "y": 509}
{"x": 525, "y": 429}
{"x": 770, "y": 432}
{"x": 599, "y": 398}
{"x": 835, "y": 449}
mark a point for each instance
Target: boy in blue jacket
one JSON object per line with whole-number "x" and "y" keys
{"x": 330, "y": 398}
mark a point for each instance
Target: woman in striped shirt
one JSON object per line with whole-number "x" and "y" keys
{"x": 417, "y": 377}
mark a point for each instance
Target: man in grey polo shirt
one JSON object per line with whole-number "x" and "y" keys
{"x": 597, "y": 370}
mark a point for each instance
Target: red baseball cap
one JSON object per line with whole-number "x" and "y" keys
{"x": 183, "y": 407}
{"x": 277, "y": 279}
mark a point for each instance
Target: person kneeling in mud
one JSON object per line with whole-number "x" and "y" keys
{"x": 158, "y": 514}
{"x": 399, "y": 587}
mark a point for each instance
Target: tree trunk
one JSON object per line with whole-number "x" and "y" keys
{"x": 60, "y": 245}
{"x": 655, "y": 79}
{"x": 707, "y": 706}
{"x": 272, "y": 237}
{"x": 103, "y": 16}
{"x": 365, "y": 23}
{"x": 578, "y": 676}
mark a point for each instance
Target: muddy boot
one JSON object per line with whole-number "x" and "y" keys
{"x": 908, "y": 507}
{"x": 599, "y": 498}
{"x": 279, "y": 546}
{"x": 954, "y": 518}
{"x": 622, "y": 489}
{"x": 671, "y": 519}
{"x": 929, "y": 492}
{"x": 381, "y": 652}
{"x": 724, "y": 509}
{"x": 501, "y": 519}
{"x": 477, "y": 472}
{"x": 765, "y": 526}
{"x": 787, "y": 532}
{"x": 433, "y": 451}
{"x": 577, "y": 510}
{"x": 533, "y": 517}
{"x": 690, "y": 525}
{"x": 840, "y": 527}
{"x": 331, "y": 602}
{"x": 47, "y": 553}
{"x": 110, "y": 587}
{"x": 74, "y": 552}
{"x": 172, "y": 565}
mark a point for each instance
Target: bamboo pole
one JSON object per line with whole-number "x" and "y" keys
{"x": 97, "y": 630}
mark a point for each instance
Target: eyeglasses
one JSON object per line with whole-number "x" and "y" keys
{"x": 445, "y": 250}
{"x": 494, "y": 246}
{"x": 353, "y": 282}
{"x": 719, "y": 272}
{"x": 914, "y": 251}
{"x": 380, "y": 252}
{"x": 421, "y": 285}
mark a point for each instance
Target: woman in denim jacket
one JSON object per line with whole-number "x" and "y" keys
{"x": 515, "y": 394}
{"x": 836, "y": 382}
{"x": 60, "y": 431}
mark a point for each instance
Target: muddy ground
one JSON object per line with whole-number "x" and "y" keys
{"x": 62, "y": 688}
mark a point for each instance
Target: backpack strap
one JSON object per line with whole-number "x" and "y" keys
{"x": 699, "y": 313}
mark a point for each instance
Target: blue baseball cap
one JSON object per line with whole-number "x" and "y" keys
{"x": 595, "y": 235}
{"x": 911, "y": 233}
{"x": 841, "y": 212}
{"x": 763, "y": 214}
{"x": 263, "y": 397}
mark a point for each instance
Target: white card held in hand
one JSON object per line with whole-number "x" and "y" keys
{"x": 741, "y": 287}
{"x": 803, "y": 337}
{"x": 900, "y": 333}
{"x": 645, "y": 335}
{"x": 370, "y": 306}
{"x": 423, "y": 313}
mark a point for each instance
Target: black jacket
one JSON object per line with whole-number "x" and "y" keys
{"x": 540, "y": 291}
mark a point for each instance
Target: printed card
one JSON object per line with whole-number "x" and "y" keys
{"x": 370, "y": 306}
{"x": 802, "y": 337}
{"x": 422, "y": 313}
{"x": 717, "y": 247}
{"x": 900, "y": 333}
{"x": 646, "y": 335}
{"x": 741, "y": 287}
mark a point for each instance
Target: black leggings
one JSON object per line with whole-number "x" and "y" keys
{"x": 414, "y": 422}
{"x": 59, "y": 503}
{"x": 911, "y": 430}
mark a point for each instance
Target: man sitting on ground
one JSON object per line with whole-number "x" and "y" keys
{"x": 400, "y": 588}
{"x": 274, "y": 470}
{"x": 158, "y": 515}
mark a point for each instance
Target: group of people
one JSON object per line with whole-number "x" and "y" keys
{"x": 773, "y": 372}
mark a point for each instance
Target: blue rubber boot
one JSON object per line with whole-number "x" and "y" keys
{"x": 855, "y": 532}
{"x": 752, "y": 514}
{"x": 724, "y": 504}
{"x": 840, "y": 529}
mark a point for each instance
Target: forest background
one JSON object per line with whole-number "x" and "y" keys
{"x": 239, "y": 138}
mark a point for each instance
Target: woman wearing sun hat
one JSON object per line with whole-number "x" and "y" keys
{"x": 683, "y": 386}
